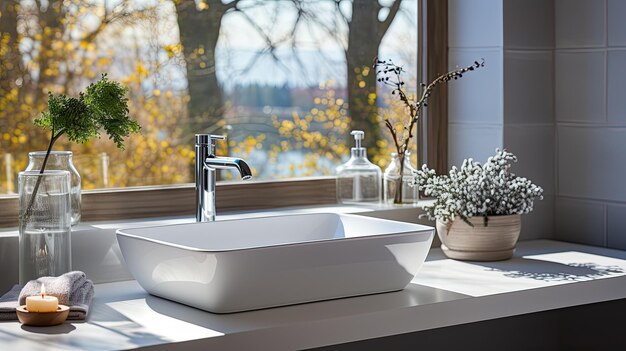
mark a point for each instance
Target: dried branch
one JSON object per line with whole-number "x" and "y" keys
{"x": 390, "y": 74}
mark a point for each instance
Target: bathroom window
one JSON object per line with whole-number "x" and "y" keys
{"x": 285, "y": 81}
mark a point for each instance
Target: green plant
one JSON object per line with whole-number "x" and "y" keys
{"x": 103, "y": 105}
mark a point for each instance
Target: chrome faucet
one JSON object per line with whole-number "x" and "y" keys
{"x": 206, "y": 164}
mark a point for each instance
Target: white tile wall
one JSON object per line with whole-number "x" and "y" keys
{"x": 616, "y": 226}
{"x": 529, "y": 24}
{"x": 477, "y": 97}
{"x": 580, "y": 86}
{"x": 529, "y": 86}
{"x": 616, "y": 85}
{"x": 577, "y": 94}
{"x": 580, "y": 23}
{"x": 510, "y": 102}
{"x": 592, "y": 163}
{"x": 591, "y": 121}
{"x": 616, "y": 22}
{"x": 580, "y": 221}
{"x": 539, "y": 224}
{"x": 534, "y": 146}
{"x": 472, "y": 140}
{"x": 476, "y": 23}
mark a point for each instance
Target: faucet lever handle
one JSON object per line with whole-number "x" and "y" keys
{"x": 217, "y": 137}
{"x": 208, "y": 139}
{"x": 213, "y": 139}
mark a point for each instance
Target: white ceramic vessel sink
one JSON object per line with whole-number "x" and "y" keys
{"x": 245, "y": 264}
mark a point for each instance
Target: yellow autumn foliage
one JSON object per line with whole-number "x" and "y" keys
{"x": 65, "y": 56}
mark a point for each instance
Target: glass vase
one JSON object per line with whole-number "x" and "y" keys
{"x": 44, "y": 224}
{"x": 397, "y": 189}
{"x": 60, "y": 160}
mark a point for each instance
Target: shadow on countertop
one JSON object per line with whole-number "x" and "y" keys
{"x": 519, "y": 267}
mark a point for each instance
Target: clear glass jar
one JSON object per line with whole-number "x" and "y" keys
{"x": 44, "y": 224}
{"x": 60, "y": 160}
{"x": 397, "y": 189}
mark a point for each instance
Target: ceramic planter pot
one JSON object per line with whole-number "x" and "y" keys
{"x": 494, "y": 242}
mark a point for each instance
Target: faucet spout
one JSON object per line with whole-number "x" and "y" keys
{"x": 230, "y": 163}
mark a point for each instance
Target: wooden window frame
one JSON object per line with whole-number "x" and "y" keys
{"x": 437, "y": 64}
{"x": 179, "y": 200}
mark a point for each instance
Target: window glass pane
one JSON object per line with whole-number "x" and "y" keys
{"x": 285, "y": 81}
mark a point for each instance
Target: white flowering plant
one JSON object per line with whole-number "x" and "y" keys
{"x": 477, "y": 190}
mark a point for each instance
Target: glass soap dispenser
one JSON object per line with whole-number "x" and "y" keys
{"x": 358, "y": 180}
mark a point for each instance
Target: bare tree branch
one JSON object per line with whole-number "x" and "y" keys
{"x": 269, "y": 49}
{"x": 230, "y": 5}
{"x": 258, "y": 28}
{"x": 393, "y": 11}
{"x": 340, "y": 11}
{"x": 333, "y": 32}
{"x": 118, "y": 13}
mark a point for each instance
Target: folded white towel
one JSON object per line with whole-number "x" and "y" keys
{"x": 73, "y": 289}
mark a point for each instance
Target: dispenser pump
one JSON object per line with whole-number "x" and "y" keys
{"x": 358, "y": 136}
{"x": 358, "y": 150}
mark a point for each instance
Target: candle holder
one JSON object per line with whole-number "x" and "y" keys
{"x": 41, "y": 319}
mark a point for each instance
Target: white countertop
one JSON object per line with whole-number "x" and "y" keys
{"x": 543, "y": 275}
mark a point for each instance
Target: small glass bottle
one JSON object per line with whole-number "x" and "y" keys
{"x": 358, "y": 180}
{"x": 60, "y": 160}
{"x": 392, "y": 180}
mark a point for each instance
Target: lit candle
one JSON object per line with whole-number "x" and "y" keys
{"x": 42, "y": 303}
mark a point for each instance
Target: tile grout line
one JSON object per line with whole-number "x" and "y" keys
{"x": 606, "y": 62}
{"x": 556, "y": 132}
{"x": 595, "y": 201}
{"x": 606, "y": 107}
{"x": 606, "y": 225}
